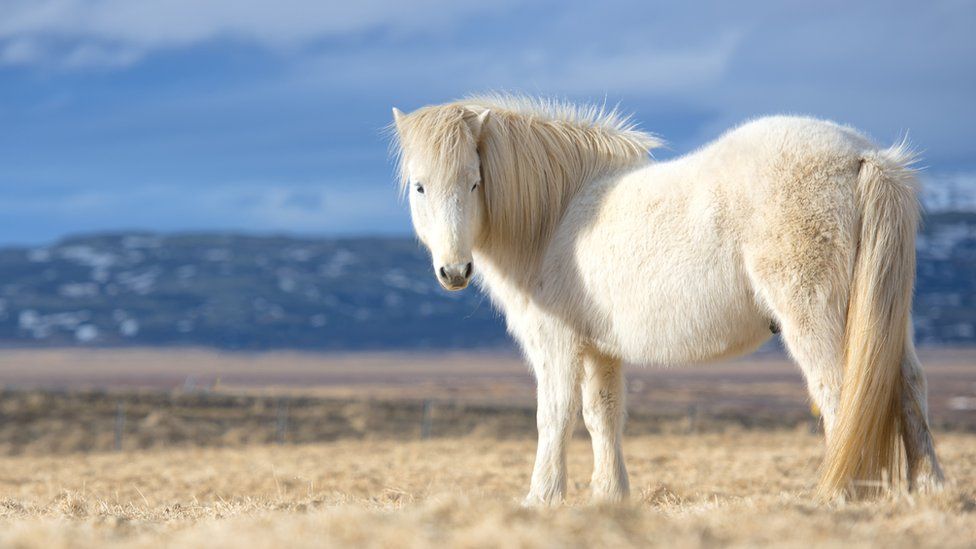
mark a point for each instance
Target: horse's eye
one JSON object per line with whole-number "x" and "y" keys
{"x": 420, "y": 189}
{"x": 473, "y": 187}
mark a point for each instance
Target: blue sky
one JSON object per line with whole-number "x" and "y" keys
{"x": 267, "y": 116}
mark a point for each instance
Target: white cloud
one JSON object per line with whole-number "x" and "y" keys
{"x": 118, "y": 32}
{"x": 96, "y": 55}
{"x": 19, "y": 52}
{"x": 254, "y": 207}
{"x": 641, "y": 68}
{"x": 309, "y": 209}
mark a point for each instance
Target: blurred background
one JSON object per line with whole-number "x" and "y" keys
{"x": 149, "y": 149}
{"x": 199, "y": 195}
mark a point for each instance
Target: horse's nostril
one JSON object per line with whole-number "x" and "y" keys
{"x": 443, "y": 273}
{"x": 467, "y": 270}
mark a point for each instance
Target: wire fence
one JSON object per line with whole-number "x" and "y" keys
{"x": 70, "y": 421}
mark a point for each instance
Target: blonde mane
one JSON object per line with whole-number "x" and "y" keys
{"x": 535, "y": 156}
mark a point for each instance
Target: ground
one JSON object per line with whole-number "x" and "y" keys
{"x": 741, "y": 488}
{"x": 321, "y": 466}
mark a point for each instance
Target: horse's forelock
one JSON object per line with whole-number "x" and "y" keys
{"x": 436, "y": 135}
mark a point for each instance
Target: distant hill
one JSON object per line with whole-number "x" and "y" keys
{"x": 247, "y": 292}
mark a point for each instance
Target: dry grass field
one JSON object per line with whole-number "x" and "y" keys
{"x": 741, "y": 488}
{"x": 346, "y": 460}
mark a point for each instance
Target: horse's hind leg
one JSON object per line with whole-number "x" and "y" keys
{"x": 821, "y": 360}
{"x": 812, "y": 320}
{"x": 812, "y": 326}
{"x": 919, "y": 446}
{"x": 604, "y": 412}
{"x": 808, "y": 301}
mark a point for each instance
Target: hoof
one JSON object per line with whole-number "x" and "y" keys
{"x": 928, "y": 483}
{"x": 608, "y": 498}
{"x": 532, "y": 501}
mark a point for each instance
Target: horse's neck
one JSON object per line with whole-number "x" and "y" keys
{"x": 509, "y": 265}
{"x": 510, "y": 268}
{"x": 502, "y": 276}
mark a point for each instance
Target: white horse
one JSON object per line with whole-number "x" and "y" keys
{"x": 596, "y": 256}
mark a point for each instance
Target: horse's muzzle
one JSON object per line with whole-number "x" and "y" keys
{"x": 455, "y": 276}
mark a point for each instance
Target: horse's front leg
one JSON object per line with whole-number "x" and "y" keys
{"x": 604, "y": 412}
{"x": 557, "y": 366}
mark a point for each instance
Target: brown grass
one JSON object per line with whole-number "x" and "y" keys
{"x": 740, "y": 488}
{"x": 718, "y": 455}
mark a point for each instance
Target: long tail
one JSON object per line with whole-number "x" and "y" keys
{"x": 864, "y": 455}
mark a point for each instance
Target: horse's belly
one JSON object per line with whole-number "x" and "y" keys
{"x": 690, "y": 318}
{"x": 654, "y": 298}
{"x": 647, "y": 270}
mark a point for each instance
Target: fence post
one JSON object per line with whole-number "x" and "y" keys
{"x": 281, "y": 426}
{"x": 119, "y": 425}
{"x": 693, "y": 418}
{"x": 426, "y": 420}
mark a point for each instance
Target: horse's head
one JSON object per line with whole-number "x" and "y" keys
{"x": 440, "y": 172}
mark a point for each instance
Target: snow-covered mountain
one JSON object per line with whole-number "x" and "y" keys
{"x": 247, "y": 292}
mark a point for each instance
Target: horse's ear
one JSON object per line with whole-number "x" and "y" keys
{"x": 398, "y": 117}
{"x": 476, "y": 120}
